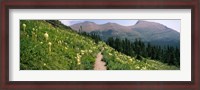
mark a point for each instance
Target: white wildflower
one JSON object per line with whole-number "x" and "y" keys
{"x": 33, "y": 29}
{"x": 79, "y": 63}
{"x": 137, "y": 67}
{"x": 144, "y": 68}
{"x": 24, "y": 27}
{"x": 46, "y": 36}
{"x": 78, "y": 59}
{"x": 49, "y": 46}
{"x": 82, "y": 51}
{"x": 90, "y": 51}
{"x": 50, "y": 43}
{"x": 59, "y": 42}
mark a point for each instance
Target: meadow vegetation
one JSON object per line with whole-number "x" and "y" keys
{"x": 47, "y": 46}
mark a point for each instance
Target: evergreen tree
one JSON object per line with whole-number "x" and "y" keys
{"x": 139, "y": 50}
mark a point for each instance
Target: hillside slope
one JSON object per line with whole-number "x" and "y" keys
{"x": 46, "y": 46}
{"x": 69, "y": 51}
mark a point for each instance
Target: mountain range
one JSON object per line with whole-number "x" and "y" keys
{"x": 152, "y": 32}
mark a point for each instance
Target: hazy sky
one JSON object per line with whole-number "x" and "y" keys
{"x": 174, "y": 24}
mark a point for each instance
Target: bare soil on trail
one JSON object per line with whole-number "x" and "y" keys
{"x": 99, "y": 65}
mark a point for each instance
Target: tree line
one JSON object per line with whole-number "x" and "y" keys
{"x": 140, "y": 50}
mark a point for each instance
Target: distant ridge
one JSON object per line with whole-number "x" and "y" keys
{"x": 152, "y": 32}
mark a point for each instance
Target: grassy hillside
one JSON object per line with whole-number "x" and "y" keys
{"x": 69, "y": 51}
{"x": 118, "y": 61}
{"x": 65, "y": 49}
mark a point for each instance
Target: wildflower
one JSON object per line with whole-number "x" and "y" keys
{"x": 24, "y": 27}
{"x": 144, "y": 68}
{"x": 45, "y": 64}
{"x": 59, "y": 42}
{"x": 79, "y": 63}
{"x": 46, "y": 36}
{"x": 49, "y": 46}
{"x": 77, "y": 54}
{"x": 137, "y": 67}
{"x": 33, "y": 29}
{"x": 65, "y": 49}
{"x": 50, "y": 43}
{"x": 33, "y": 35}
{"x": 78, "y": 59}
{"x": 90, "y": 51}
{"x": 82, "y": 51}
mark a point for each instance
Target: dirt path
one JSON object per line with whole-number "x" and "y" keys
{"x": 99, "y": 65}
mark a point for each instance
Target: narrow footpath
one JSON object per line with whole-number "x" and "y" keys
{"x": 99, "y": 64}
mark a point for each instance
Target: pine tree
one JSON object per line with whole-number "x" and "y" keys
{"x": 139, "y": 50}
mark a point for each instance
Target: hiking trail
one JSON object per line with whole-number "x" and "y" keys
{"x": 99, "y": 64}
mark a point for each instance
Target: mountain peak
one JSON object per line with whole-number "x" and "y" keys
{"x": 110, "y": 23}
{"x": 141, "y": 21}
{"x": 87, "y": 26}
{"x": 149, "y": 24}
{"x": 88, "y": 22}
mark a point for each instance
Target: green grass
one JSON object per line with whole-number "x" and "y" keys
{"x": 71, "y": 51}
{"x": 66, "y": 45}
{"x": 118, "y": 61}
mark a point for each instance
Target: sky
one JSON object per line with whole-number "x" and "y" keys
{"x": 173, "y": 24}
